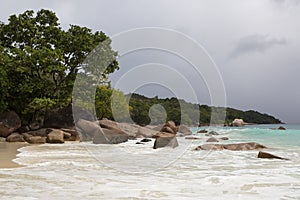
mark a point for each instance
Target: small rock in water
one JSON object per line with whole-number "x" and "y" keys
{"x": 139, "y": 143}
{"x": 146, "y": 140}
{"x": 211, "y": 133}
{"x": 192, "y": 138}
{"x": 212, "y": 139}
{"x": 202, "y": 131}
{"x": 269, "y": 156}
{"x": 281, "y": 128}
{"x": 224, "y": 138}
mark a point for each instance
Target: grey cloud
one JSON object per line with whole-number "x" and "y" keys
{"x": 256, "y": 43}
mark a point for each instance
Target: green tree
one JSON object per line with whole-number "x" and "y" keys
{"x": 41, "y": 61}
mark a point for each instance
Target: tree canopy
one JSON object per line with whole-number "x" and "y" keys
{"x": 39, "y": 61}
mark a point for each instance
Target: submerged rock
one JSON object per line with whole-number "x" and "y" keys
{"x": 192, "y": 138}
{"x": 232, "y": 147}
{"x": 211, "y": 133}
{"x": 224, "y": 138}
{"x": 281, "y": 128}
{"x": 269, "y": 156}
{"x": 202, "y": 131}
{"x": 210, "y": 147}
{"x": 212, "y": 139}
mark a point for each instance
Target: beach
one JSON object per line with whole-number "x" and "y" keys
{"x": 137, "y": 171}
{"x": 8, "y": 152}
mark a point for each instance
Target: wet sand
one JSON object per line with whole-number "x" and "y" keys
{"x": 8, "y": 152}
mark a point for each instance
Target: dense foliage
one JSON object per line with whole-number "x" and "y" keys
{"x": 39, "y": 62}
{"x": 143, "y": 106}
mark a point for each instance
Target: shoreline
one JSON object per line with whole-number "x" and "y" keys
{"x": 9, "y": 152}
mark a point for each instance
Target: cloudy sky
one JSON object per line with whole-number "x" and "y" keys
{"x": 254, "y": 43}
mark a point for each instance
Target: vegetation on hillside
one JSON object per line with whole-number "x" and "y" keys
{"x": 172, "y": 107}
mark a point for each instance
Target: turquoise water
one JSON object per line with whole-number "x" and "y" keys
{"x": 264, "y": 134}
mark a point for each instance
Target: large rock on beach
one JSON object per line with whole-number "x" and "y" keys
{"x": 87, "y": 129}
{"x": 165, "y": 140}
{"x": 172, "y": 126}
{"x": 145, "y": 132}
{"x": 108, "y": 124}
{"x": 269, "y": 156}
{"x": 15, "y": 137}
{"x": 110, "y": 136}
{"x": 92, "y": 131}
{"x": 56, "y": 136}
{"x": 9, "y": 122}
{"x": 184, "y": 130}
{"x": 36, "y": 140}
{"x": 238, "y": 122}
{"x": 232, "y": 147}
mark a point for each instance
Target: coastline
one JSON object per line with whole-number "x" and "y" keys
{"x": 9, "y": 152}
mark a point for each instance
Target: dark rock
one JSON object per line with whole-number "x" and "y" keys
{"x": 63, "y": 118}
{"x": 55, "y": 136}
{"x": 146, "y": 140}
{"x": 74, "y": 134}
{"x": 165, "y": 140}
{"x": 15, "y": 137}
{"x": 36, "y": 140}
{"x": 281, "y": 128}
{"x": 211, "y": 133}
{"x": 9, "y": 122}
{"x": 202, "y": 131}
{"x": 184, "y": 130}
{"x": 35, "y": 125}
{"x": 23, "y": 129}
{"x": 212, "y": 139}
{"x": 41, "y": 132}
{"x": 192, "y": 138}
{"x": 139, "y": 143}
{"x": 224, "y": 138}
{"x": 269, "y": 156}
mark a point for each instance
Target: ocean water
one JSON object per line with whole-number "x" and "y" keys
{"x": 132, "y": 171}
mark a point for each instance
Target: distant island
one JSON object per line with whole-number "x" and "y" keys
{"x": 141, "y": 104}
